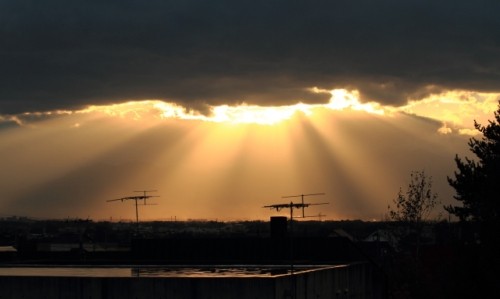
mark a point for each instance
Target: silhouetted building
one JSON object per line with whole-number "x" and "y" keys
{"x": 279, "y": 226}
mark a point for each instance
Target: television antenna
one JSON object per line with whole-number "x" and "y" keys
{"x": 302, "y": 205}
{"x": 318, "y": 215}
{"x": 136, "y": 198}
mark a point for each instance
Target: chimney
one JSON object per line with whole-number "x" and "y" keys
{"x": 278, "y": 227}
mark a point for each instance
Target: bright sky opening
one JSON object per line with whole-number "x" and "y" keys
{"x": 229, "y": 163}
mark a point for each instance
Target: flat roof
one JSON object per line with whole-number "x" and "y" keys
{"x": 8, "y": 249}
{"x": 156, "y": 271}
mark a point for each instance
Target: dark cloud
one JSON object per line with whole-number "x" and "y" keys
{"x": 67, "y": 54}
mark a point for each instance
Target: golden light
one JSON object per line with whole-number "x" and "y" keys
{"x": 133, "y": 110}
{"x": 341, "y": 99}
{"x": 247, "y": 114}
{"x": 229, "y": 162}
{"x": 456, "y": 109}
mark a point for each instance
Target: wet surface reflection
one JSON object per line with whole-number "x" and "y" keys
{"x": 152, "y": 271}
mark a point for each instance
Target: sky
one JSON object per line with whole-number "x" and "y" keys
{"x": 226, "y": 106}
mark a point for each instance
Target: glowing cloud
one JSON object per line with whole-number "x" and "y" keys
{"x": 457, "y": 110}
{"x": 341, "y": 99}
{"x": 228, "y": 162}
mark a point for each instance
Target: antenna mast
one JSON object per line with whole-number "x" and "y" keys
{"x": 136, "y": 208}
{"x": 136, "y": 199}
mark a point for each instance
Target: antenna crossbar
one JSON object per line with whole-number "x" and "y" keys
{"x": 302, "y": 198}
{"x": 302, "y": 195}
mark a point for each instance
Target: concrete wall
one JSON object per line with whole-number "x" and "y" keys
{"x": 353, "y": 281}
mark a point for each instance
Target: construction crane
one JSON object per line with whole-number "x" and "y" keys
{"x": 136, "y": 198}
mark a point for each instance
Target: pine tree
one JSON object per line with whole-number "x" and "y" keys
{"x": 477, "y": 182}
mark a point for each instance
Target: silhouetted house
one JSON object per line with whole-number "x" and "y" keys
{"x": 383, "y": 235}
{"x": 342, "y": 233}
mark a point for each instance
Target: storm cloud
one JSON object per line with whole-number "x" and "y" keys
{"x": 68, "y": 54}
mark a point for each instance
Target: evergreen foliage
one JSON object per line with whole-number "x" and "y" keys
{"x": 476, "y": 181}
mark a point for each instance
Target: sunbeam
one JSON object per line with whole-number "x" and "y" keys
{"x": 223, "y": 165}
